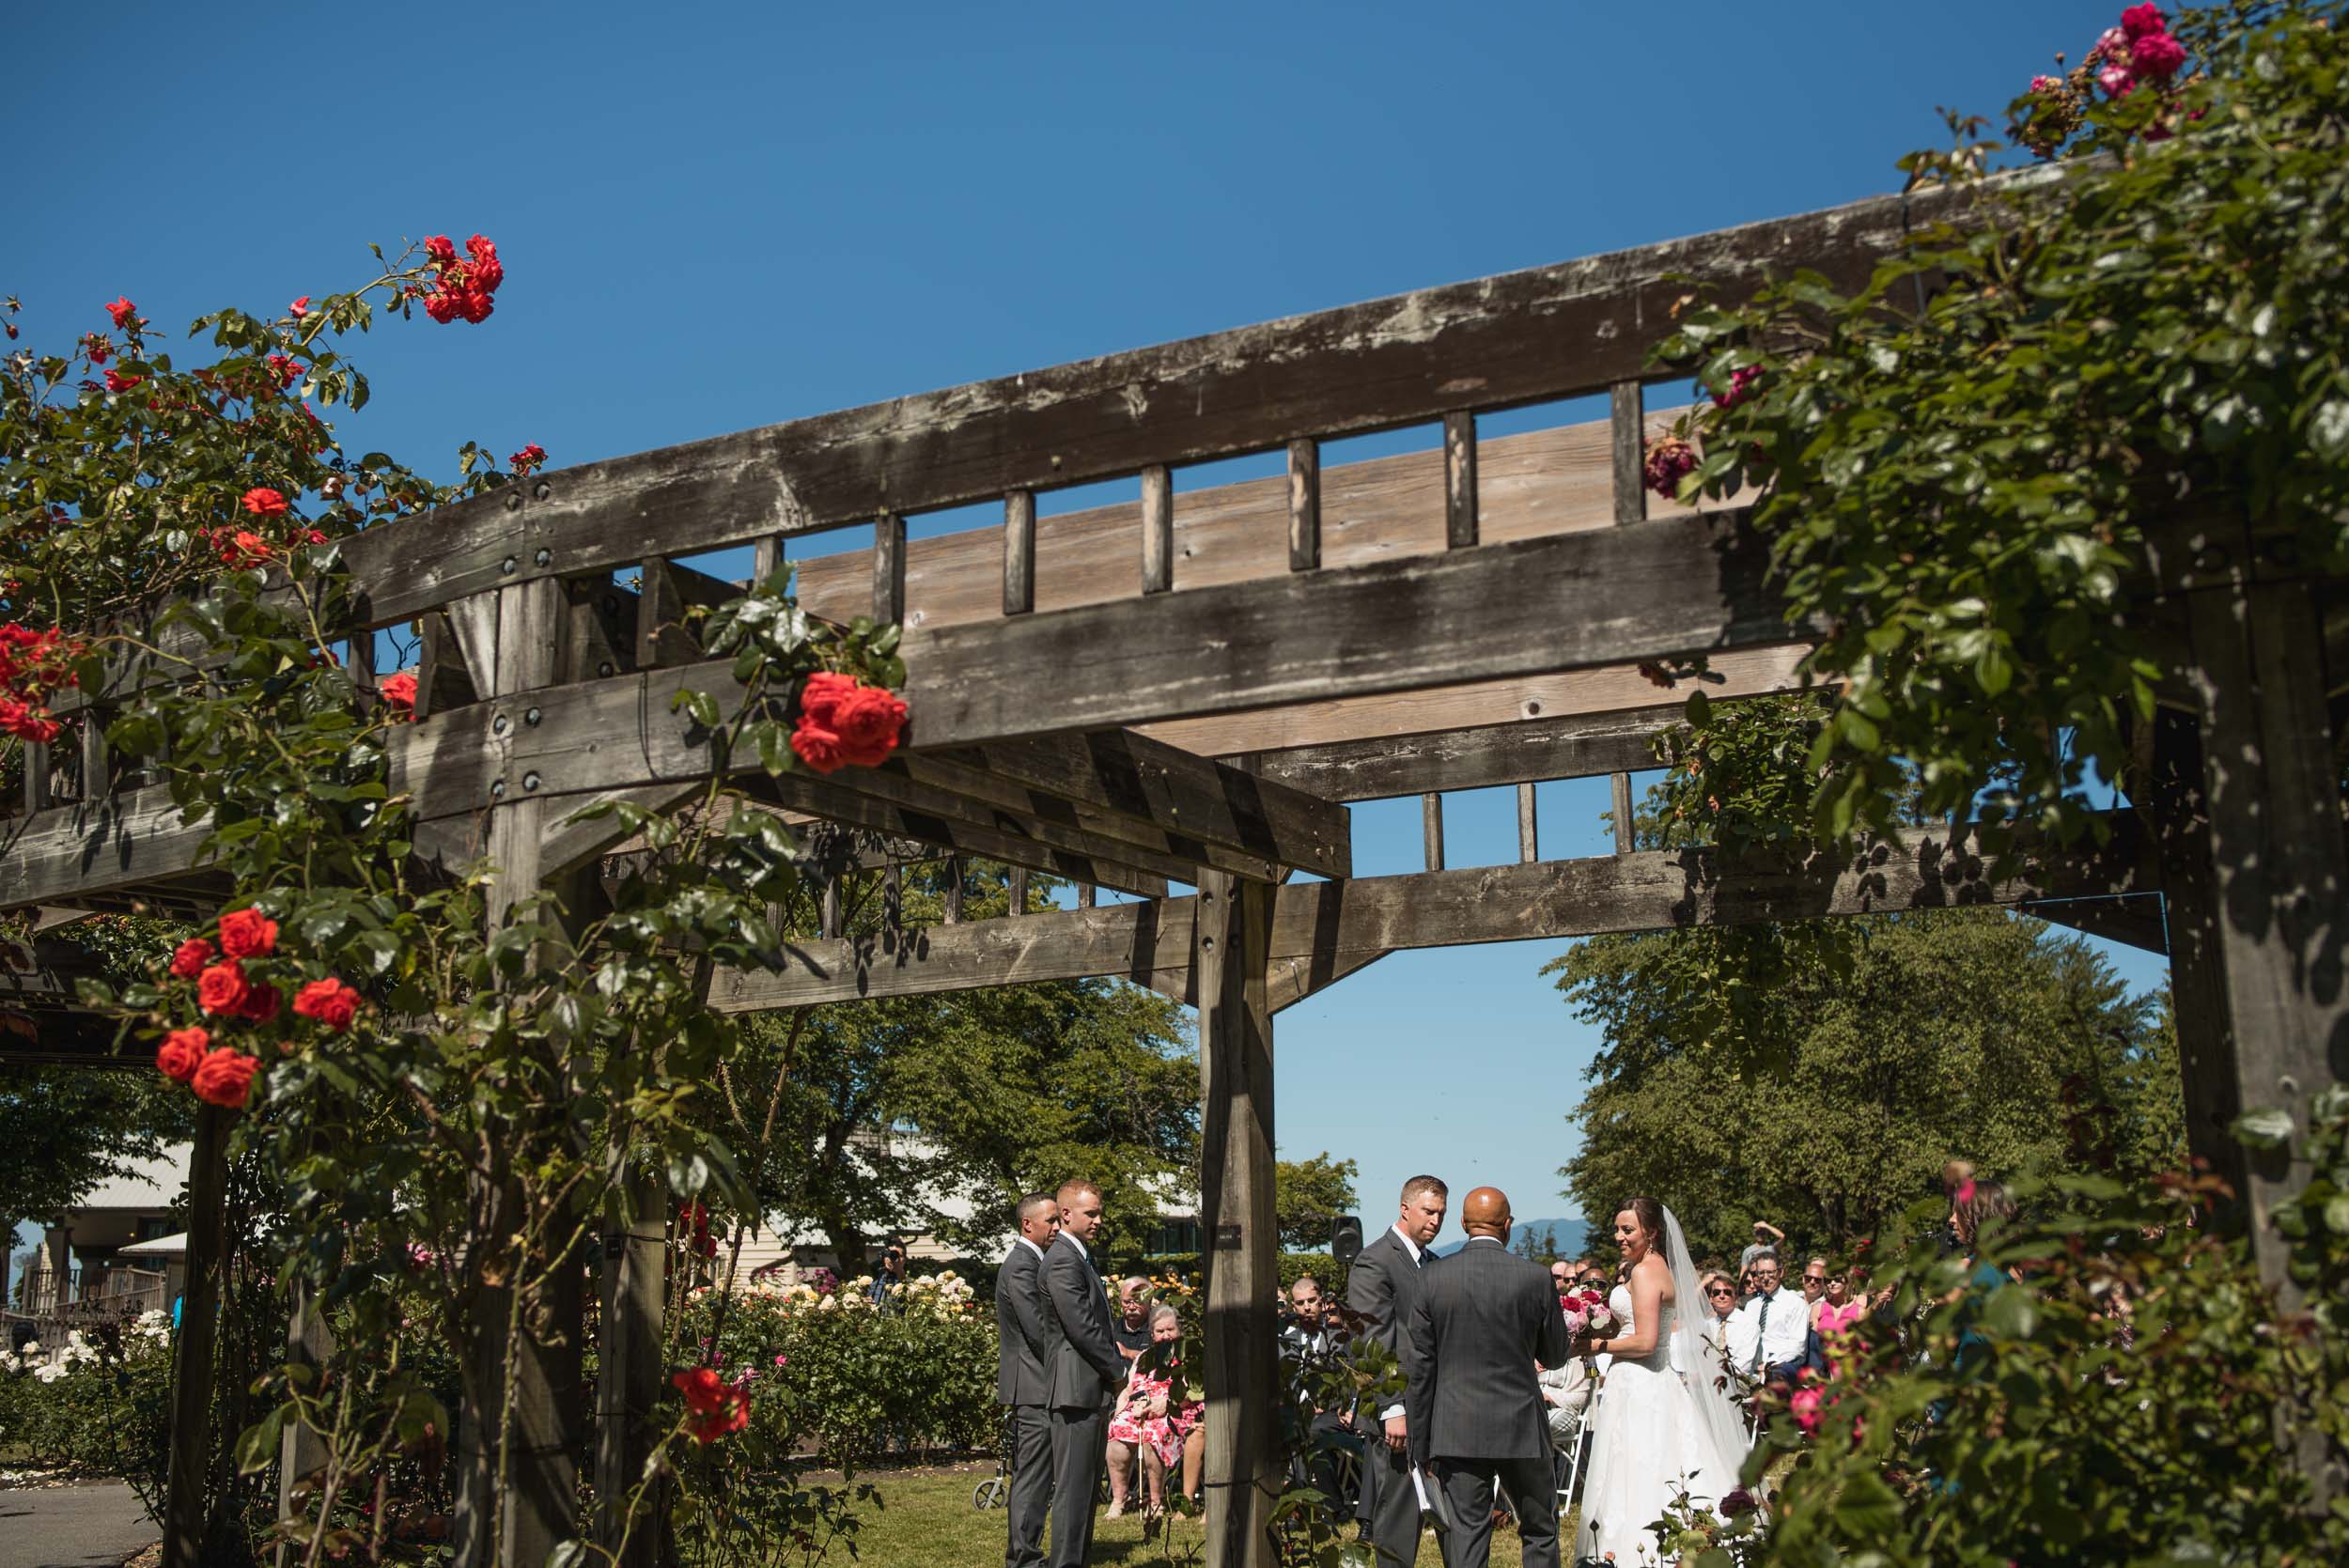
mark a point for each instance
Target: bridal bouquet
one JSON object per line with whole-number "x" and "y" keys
{"x": 1587, "y": 1312}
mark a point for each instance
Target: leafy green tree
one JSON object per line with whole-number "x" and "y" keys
{"x": 65, "y": 1130}
{"x": 1307, "y": 1194}
{"x": 1968, "y": 1034}
{"x": 894, "y": 1109}
{"x": 1818, "y": 1074}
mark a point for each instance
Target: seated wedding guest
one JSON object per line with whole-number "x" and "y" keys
{"x": 1165, "y": 1425}
{"x": 1132, "y": 1327}
{"x": 1720, "y": 1301}
{"x": 1566, "y": 1400}
{"x": 1561, "y": 1277}
{"x": 1311, "y": 1331}
{"x": 1813, "y": 1282}
{"x": 1842, "y": 1303}
{"x": 1307, "y": 1331}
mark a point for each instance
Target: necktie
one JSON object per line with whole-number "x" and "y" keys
{"x": 1761, "y": 1331}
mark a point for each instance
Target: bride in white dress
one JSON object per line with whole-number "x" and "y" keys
{"x": 1654, "y": 1434}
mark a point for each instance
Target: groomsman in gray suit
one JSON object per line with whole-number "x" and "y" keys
{"x": 1021, "y": 1382}
{"x": 1385, "y": 1284}
{"x": 1475, "y": 1409}
{"x": 1083, "y": 1372}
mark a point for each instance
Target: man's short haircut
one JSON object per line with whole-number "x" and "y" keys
{"x": 1767, "y": 1255}
{"x": 1076, "y": 1186}
{"x": 1133, "y": 1281}
{"x": 1419, "y": 1185}
{"x": 1036, "y": 1203}
{"x": 1303, "y": 1280}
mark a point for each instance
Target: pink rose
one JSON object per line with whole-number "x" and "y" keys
{"x": 2142, "y": 21}
{"x": 2156, "y": 54}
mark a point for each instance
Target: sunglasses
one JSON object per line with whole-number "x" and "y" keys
{"x": 1720, "y": 1290}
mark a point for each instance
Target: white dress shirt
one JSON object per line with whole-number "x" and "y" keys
{"x": 1778, "y": 1325}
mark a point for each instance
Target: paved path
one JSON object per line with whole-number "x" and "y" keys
{"x": 73, "y": 1527}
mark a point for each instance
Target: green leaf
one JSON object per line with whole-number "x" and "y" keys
{"x": 257, "y": 1446}
{"x": 2264, "y": 1128}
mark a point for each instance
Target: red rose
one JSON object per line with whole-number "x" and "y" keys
{"x": 225, "y": 1078}
{"x": 182, "y": 1052}
{"x": 2156, "y": 54}
{"x": 244, "y": 549}
{"x": 330, "y": 1001}
{"x": 818, "y": 747}
{"x": 444, "y": 306}
{"x": 528, "y": 459}
{"x": 262, "y": 502}
{"x": 300, "y": 308}
{"x": 477, "y": 305}
{"x": 868, "y": 720}
{"x": 440, "y": 249}
{"x": 189, "y": 958}
{"x": 399, "y": 691}
{"x": 26, "y": 722}
{"x": 124, "y": 312}
{"x": 486, "y": 273}
{"x": 97, "y": 348}
{"x": 2138, "y": 21}
{"x": 821, "y": 695}
{"x": 247, "y": 934}
{"x": 260, "y": 1005}
{"x": 118, "y": 381}
{"x": 481, "y": 249}
{"x": 714, "y": 1406}
{"x": 221, "y": 988}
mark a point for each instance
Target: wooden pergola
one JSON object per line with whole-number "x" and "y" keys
{"x": 1191, "y": 689}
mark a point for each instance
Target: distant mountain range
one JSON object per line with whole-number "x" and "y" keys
{"x": 1571, "y": 1236}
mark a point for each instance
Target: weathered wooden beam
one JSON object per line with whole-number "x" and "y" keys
{"x": 1626, "y": 432}
{"x": 1240, "y": 1241}
{"x": 629, "y": 1369}
{"x": 1120, "y": 784}
{"x": 1524, "y": 752}
{"x": 1674, "y": 587}
{"x": 1304, "y": 505}
{"x": 1018, "y": 555}
{"x": 1157, "y": 529}
{"x": 2132, "y": 921}
{"x": 1459, "y": 479}
{"x": 125, "y": 840}
{"x": 1547, "y": 333}
{"x": 2198, "y": 977}
{"x": 1329, "y": 923}
{"x": 953, "y": 825}
{"x": 1475, "y": 705}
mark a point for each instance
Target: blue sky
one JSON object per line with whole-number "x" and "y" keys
{"x": 719, "y": 217}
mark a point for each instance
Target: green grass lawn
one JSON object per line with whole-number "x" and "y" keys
{"x": 925, "y": 1517}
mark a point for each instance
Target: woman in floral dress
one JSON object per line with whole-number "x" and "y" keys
{"x": 1149, "y": 1417}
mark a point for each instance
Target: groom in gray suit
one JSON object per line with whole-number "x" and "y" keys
{"x": 1022, "y": 1381}
{"x": 1082, "y": 1369}
{"x": 1386, "y": 1281}
{"x": 1473, "y": 1405}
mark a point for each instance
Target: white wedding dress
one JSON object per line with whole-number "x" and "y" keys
{"x": 1656, "y": 1435}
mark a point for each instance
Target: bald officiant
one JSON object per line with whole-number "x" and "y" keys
{"x": 1472, "y": 1403}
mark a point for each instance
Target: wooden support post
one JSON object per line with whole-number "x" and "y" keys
{"x": 97, "y": 767}
{"x": 1621, "y": 784}
{"x": 1018, "y": 890}
{"x": 1230, "y": 961}
{"x": 1087, "y": 895}
{"x": 2280, "y": 869}
{"x": 2198, "y": 979}
{"x": 1019, "y": 552}
{"x": 1157, "y": 529}
{"x": 1529, "y": 828}
{"x": 954, "y": 889}
{"x": 187, "y": 1507}
{"x": 828, "y": 915}
{"x": 36, "y": 776}
{"x": 525, "y": 1431}
{"x": 1627, "y": 431}
{"x": 1304, "y": 505}
{"x": 1459, "y": 480}
{"x": 893, "y": 901}
{"x": 766, "y": 555}
{"x": 629, "y": 1370}
{"x": 301, "y": 1452}
{"x": 889, "y": 569}
{"x": 1431, "y": 830}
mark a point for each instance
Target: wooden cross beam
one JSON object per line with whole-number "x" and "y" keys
{"x": 1327, "y": 926}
